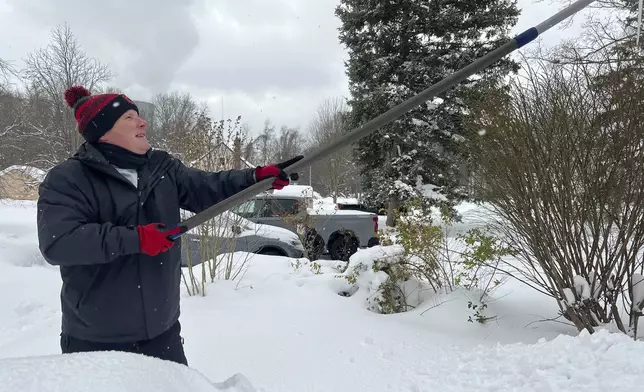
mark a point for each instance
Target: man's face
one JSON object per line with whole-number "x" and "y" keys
{"x": 129, "y": 132}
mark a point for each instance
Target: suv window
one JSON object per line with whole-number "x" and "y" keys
{"x": 281, "y": 207}
{"x": 252, "y": 209}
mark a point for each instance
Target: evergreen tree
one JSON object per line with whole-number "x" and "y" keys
{"x": 399, "y": 48}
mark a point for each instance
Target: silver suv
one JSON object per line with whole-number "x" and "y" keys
{"x": 229, "y": 232}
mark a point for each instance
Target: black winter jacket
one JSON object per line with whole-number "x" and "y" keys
{"x": 87, "y": 218}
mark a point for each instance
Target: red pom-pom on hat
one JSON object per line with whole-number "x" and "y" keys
{"x": 73, "y": 94}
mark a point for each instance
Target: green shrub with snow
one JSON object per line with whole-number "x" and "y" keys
{"x": 314, "y": 267}
{"x": 418, "y": 260}
{"x": 379, "y": 276}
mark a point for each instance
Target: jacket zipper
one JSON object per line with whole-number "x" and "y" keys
{"x": 138, "y": 264}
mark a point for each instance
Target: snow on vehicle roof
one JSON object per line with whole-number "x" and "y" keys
{"x": 348, "y": 200}
{"x": 33, "y": 172}
{"x": 292, "y": 191}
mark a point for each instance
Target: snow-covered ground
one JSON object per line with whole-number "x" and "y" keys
{"x": 283, "y": 328}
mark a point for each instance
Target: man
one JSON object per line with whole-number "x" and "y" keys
{"x": 105, "y": 215}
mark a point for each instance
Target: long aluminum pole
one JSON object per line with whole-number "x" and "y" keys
{"x": 392, "y": 114}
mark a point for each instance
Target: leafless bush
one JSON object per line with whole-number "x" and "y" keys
{"x": 562, "y": 166}
{"x": 217, "y": 239}
{"x": 211, "y": 147}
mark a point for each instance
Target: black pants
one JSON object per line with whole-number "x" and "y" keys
{"x": 168, "y": 346}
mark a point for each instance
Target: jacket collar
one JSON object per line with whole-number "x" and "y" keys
{"x": 92, "y": 157}
{"x": 87, "y": 152}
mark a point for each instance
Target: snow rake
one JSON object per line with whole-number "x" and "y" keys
{"x": 392, "y": 114}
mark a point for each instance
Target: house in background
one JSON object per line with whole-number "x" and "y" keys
{"x": 20, "y": 182}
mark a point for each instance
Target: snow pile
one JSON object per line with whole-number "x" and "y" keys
{"x": 108, "y": 372}
{"x": 361, "y": 271}
{"x": 18, "y": 238}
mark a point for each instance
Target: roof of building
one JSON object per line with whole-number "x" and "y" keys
{"x": 33, "y": 172}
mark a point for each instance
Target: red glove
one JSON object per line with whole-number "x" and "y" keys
{"x": 263, "y": 172}
{"x": 277, "y": 171}
{"x": 153, "y": 241}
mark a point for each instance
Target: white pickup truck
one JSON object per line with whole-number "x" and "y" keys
{"x": 321, "y": 227}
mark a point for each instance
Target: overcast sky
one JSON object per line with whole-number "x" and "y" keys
{"x": 275, "y": 59}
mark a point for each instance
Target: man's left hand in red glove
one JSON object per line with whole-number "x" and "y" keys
{"x": 277, "y": 171}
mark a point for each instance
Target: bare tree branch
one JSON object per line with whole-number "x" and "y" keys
{"x": 48, "y": 73}
{"x": 335, "y": 175}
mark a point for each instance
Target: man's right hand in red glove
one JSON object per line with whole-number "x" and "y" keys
{"x": 153, "y": 241}
{"x": 277, "y": 171}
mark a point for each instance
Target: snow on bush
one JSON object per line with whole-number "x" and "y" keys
{"x": 417, "y": 260}
{"x": 378, "y": 277}
{"x": 108, "y": 372}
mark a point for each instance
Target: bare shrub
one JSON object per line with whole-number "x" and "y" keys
{"x": 561, "y": 163}
{"x": 216, "y": 240}
{"x": 212, "y": 147}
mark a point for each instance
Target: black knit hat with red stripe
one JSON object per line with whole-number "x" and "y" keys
{"x": 96, "y": 114}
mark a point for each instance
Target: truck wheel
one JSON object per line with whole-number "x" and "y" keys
{"x": 343, "y": 247}
{"x": 373, "y": 241}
